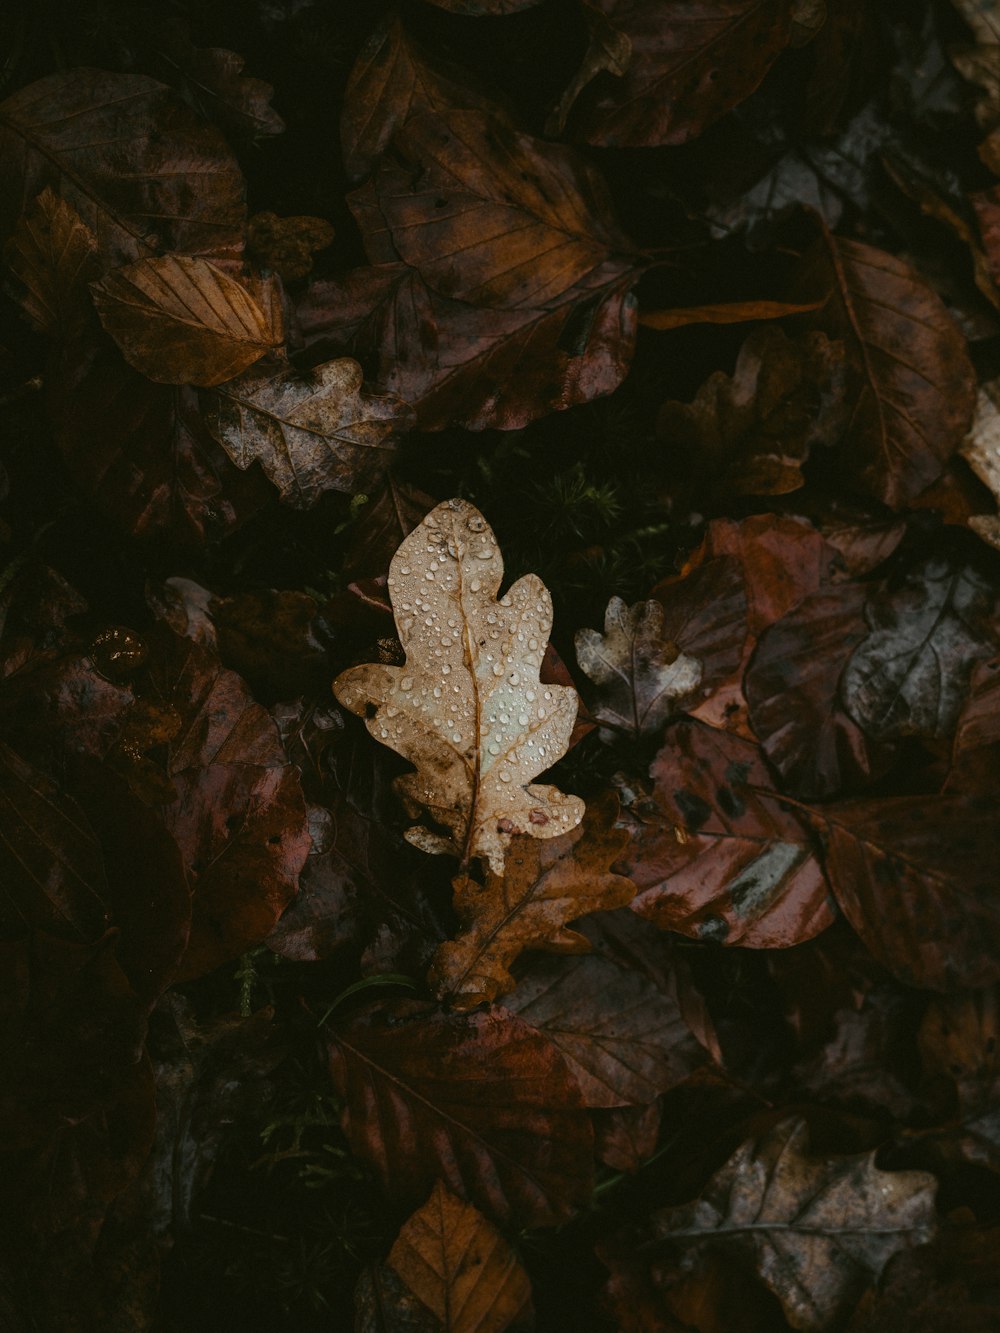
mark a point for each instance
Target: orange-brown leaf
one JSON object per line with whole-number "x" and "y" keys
{"x": 460, "y": 1267}
{"x": 53, "y": 254}
{"x": 545, "y": 885}
{"x": 180, "y": 320}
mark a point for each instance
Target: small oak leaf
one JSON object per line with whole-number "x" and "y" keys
{"x": 467, "y": 708}
{"x": 642, "y": 675}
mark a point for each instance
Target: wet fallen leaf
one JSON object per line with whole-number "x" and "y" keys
{"x": 819, "y": 1230}
{"x": 458, "y": 1264}
{"x": 391, "y": 514}
{"x": 287, "y": 245}
{"x": 153, "y": 176}
{"x": 913, "y": 876}
{"x": 312, "y": 431}
{"x": 750, "y": 433}
{"x": 976, "y": 747}
{"x": 238, "y": 815}
{"x": 142, "y": 451}
{"x": 53, "y": 255}
{"x": 458, "y": 365}
{"x": 795, "y": 692}
{"x": 468, "y": 708}
{"x": 909, "y": 676}
{"x": 730, "y": 312}
{"x": 480, "y": 1101}
{"x": 688, "y": 68}
{"x": 608, "y": 50}
{"x": 626, "y": 1136}
{"x": 497, "y": 218}
{"x": 623, "y": 1038}
{"x": 981, "y": 449}
{"x": 959, "y": 1041}
{"x": 542, "y": 886}
{"x": 180, "y": 320}
{"x": 916, "y": 384}
{"x": 392, "y": 80}
{"x": 715, "y": 854}
{"x": 383, "y": 1303}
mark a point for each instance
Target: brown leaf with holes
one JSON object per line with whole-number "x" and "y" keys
{"x": 467, "y": 707}
{"x": 479, "y": 1101}
{"x": 312, "y": 431}
{"x": 180, "y": 320}
{"x": 458, "y": 1264}
{"x": 543, "y": 886}
{"x": 716, "y": 854}
{"x": 53, "y": 255}
{"x": 818, "y": 1230}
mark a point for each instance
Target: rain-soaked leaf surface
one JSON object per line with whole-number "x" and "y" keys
{"x": 692, "y": 306}
{"x": 467, "y": 708}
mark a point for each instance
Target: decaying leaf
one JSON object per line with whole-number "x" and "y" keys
{"x": 542, "y": 886}
{"x": 750, "y": 433}
{"x": 981, "y": 450}
{"x": 960, "y": 1040}
{"x": 459, "y": 365}
{"x": 715, "y": 854}
{"x": 623, "y": 1037}
{"x": 642, "y": 675}
{"x": 608, "y": 49}
{"x": 287, "y": 245}
{"x": 480, "y": 1101}
{"x": 917, "y": 385}
{"x": 818, "y": 1230}
{"x": 312, "y": 431}
{"x": 391, "y": 81}
{"x": 461, "y": 1268}
{"x": 468, "y": 708}
{"x": 53, "y": 255}
{"x": 910, "y": 674}
{"x": 497, "y": 219}
{"x": 156, "y": 178}
{"x": 181, "y": 320}
{"x": 914, "y": 876}
{"x": 689, "y": 66}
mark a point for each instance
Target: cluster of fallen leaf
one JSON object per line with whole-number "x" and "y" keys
{"x": 702, "y": 1027}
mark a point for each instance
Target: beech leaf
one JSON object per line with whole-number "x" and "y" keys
{"x": 180, "y": 320}
{"x": 480, "y": 1101}
{"x": 458, "y": 1264}
{"x": 156, "y": 178}
{"x": 543, "y": 886}
{"x": 312, "y": 431}
{"x": 468, "y": 707}
{"x": 818, "y": 1230}
{"x": 53, "y": 254}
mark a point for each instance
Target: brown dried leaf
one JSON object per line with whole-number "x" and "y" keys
{"x": 543, "y": 886}
{"x": 609, "y": 49}
{"x": 180, "y": 320}
{"x": 53, "y": 254}
{"x": 917, "y": 384}
{"x": 750, "y": 433}
{"x": 458, "y": 1264}
{"x": 496, "y": 218}
{"x": 689, "y": 66}
{"x": 390, "y": 516}
{"x": 467, "y": 708}
{"x": 960, "y": 1040}
{"x": 642, "y": 675}
{"x": 716, "y": 856}
{"x": 480, "y": 1101}
{"x": 915, "y": 878}
{"x": 818, "y": 1230}
{"x": 458, "y": 365}
{"x": 287, "y": 245}
{"x": 981, "y": 450}
{"x": 213, "y": 79}
{"x": 312, "y": 431}
{"x": 156, "y": 178}
{"x": 976, "y": 748}
{"x": 624, "y": 1039}
{"x": 728, "y": 312}
{"x": 910, "y": 675}
{"x": 393, "y": 80}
